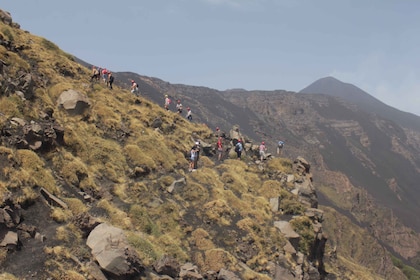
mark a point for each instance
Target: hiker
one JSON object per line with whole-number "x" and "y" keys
{"x": 167, "y": 102}
{"x": 95, "y": 74}
{"x": 105, "y": 75}
{"x": 280, "y": 145}
{"x": 263, "y": 148}
{"x": 189, "y": 115}
{"x": 220, "y": 148}
{"x": 197, "y": 148}
{"x": 110, "y": 80}
{"x": 134, "y": 87}
{"x": 193, "y": 156}
{"x": 179, "y": 106}
{"x": 238, "y": 148}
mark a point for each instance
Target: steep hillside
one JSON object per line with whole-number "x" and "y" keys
{"x": 94, "y": 184}
{"x": 367, "y": 167}
{"x": 378, "y": 159}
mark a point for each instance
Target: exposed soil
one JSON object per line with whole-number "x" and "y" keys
{"x": 28, "y": 262}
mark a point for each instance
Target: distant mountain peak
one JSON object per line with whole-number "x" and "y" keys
{"x": 364, "y": 101}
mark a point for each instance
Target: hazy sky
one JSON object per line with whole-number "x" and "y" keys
{"x": 250, "y": 44}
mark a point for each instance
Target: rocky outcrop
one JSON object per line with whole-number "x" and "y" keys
{"x": 12, "y": 228}
{"x": 7, "y": 19}
{"x": 40, "y": 135}
{"x": 303, "y": 184}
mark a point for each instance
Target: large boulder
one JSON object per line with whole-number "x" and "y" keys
{"x": 73, "y": 101}
{"x": 111, "y": 250}
{"x": 288, "y": 232}
{"x": 5, "y": 17}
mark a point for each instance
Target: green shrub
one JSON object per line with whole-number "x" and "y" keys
{"x": 303, "y": 226}
{"x": 291, "y": 207}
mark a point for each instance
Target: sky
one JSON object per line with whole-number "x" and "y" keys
{"x": 249, "y": 44}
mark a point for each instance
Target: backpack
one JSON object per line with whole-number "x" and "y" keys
{"x": 238, "y": 147}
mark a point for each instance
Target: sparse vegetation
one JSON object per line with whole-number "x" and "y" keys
{"x": 303, "y": 226}
{"x": 115, "y": 166}
{"x": 8, "y": 33}
{"x": 410, "y": 272}
{"x": 49, "y": 45}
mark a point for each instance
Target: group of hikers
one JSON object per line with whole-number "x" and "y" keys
{"x": 167, "y": 101}
{"x": 179, "y": 107}
{"x": 108, "y": 79}
{"x": 107, "y": 76}
{"x": 238, "y": 148}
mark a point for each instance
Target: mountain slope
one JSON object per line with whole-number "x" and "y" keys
{"x": 119, "y": 160}
{"x": 366, "y": 166}
{"x": 109, "y": 158}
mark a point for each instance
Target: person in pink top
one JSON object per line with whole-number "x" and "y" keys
{"x": 105, "y": 75}
{"x": 263, "y": 148}
{"x": 220, "y": 148}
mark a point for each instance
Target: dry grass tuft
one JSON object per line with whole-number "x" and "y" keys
{"x": 201, "y": 239}
{"x": 117, "y": 217}
{"x": 75, "y": 205}
{"x": 11, "y": 106}
{"x": 219, "y": 211}
{"x": 139, "y": 157}
{"x": 62, "y": 234}
{"x": 142, "y": 221}
{"x": 35, "y": 167}
{"x": 270, "y": 189}
{"x": 194, "y": 193}
{"x": 216, "y": 259}
{"x": 61, "y": 215}
{"x": 281, "y": 164}
{"x": 147, "y": 252}
{"x": 172, "y": 246}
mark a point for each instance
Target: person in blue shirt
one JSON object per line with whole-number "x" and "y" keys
{"x": 239, "y": 148}
{"x": 280, "y": 145}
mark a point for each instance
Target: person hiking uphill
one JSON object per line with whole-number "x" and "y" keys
{"x": 263, "y": 148}
{"x": 197, "y": 148}
{"x": 239, "y": 148}
{"x": 95, "y": 74}
{"x": 110, "y": 80}
{"x": 220, "y": 148}
{"x": 179, "y": 106}
{"x": 167, "y": 102}
{"x": 193, "y": 157}
{"x": 134, "y": 87}
{"x": 189, "y": 114}
{"x": 280, "y": 145}
{"x": 105, "y": 75}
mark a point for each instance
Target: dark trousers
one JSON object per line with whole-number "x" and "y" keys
{"x": 196, "y": 160}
